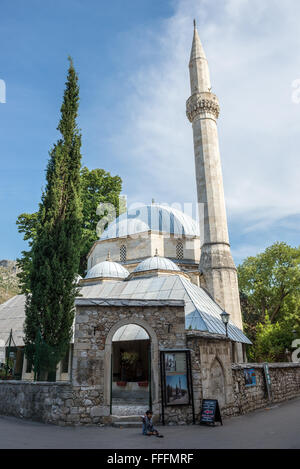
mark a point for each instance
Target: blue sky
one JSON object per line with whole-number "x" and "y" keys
{"x": 132, "y": 60}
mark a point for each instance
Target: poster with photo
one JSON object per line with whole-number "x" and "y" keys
{"x": 177, "y": 391}
{"x": 250, "y": 377}
{"x": 176, "y": 378}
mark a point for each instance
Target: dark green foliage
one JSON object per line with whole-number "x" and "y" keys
{"x": 270, "y": 300}
{"x": 96, "y": 186}
{"x": 54, "y": 257}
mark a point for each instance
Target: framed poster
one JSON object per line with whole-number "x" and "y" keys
{"x": 176, "y": 379}
{"x": 250, "y": 377}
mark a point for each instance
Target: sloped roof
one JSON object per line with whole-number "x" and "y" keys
{"x": 12, "y": 316}
{"x": 201, "y": 311}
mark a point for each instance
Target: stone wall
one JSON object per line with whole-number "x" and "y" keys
{"x": 285, "y": 379}
{"x": 45, "y": 402}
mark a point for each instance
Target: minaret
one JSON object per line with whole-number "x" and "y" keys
{"x": 216, "y": 262}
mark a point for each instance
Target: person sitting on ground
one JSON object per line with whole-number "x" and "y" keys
{"x": 148, "y": 428}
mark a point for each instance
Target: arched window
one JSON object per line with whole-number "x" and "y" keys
{"x": 179, "y": 250}
{"x": 123, "y": 253}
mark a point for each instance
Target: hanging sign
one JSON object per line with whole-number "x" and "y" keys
{"x": 210, "y": 412}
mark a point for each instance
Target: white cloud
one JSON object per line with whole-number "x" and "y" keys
{"x": 252, "y": 48}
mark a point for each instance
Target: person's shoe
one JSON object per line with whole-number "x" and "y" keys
{"x": 160, "y": 436}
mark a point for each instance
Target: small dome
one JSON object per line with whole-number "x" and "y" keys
{"x": 156, "y": 263}
{"x": 107, "y": 269}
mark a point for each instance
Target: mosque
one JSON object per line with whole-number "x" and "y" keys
{"x": 158, "y": 321}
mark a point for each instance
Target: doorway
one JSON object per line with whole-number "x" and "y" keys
{"x": 131, "y": 367}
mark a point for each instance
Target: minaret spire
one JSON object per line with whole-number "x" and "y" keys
{"x": 199, "y": 72}
{"x": 216, "y": 263}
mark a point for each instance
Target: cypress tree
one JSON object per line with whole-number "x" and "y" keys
{"x": 56, "y": 247}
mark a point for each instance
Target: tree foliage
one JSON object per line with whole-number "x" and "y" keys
{"x": 54, "y": 256}
{"x": 270, "y": 299}
{"x": 97, "y": 186}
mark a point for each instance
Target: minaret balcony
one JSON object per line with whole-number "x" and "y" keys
{"x": 201, "y": 103}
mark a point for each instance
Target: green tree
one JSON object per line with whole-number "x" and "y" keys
{"x": 96, "y": 186}
{"x": 273, "y": 341}
{"x": 270, "y": 298}
{"x": 56, "y": 243}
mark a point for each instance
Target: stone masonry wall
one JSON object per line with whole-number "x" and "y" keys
{"x": 45, "y": 402}
{"x": 92, "y": 350}
{"x": 285, "y": 379}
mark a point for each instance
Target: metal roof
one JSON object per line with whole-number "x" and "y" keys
{"x": 201, "y": 311}
{"x": 12, "y": 316}
{"x": 152, "y": 217}
{"x": 156, "y": 263}
{"x": 107, "y": 269}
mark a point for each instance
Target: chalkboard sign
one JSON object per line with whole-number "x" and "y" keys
{"x": 210, "y": 412}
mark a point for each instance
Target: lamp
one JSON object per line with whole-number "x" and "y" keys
{"x": 225, "y": 319}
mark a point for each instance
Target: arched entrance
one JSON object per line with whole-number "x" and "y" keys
{"x": 131, "y": 367}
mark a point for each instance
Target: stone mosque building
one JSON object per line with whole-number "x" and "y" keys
{"x": 148, "y": 330}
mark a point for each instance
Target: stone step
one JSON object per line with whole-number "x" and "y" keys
{"x": 127, "y": 418}
{"x": 127, "y": 410}
{"x": 122, "y": 424}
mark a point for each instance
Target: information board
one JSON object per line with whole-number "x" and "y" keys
{"x": 176, "y": 379}
{"x": 210, "y": 412}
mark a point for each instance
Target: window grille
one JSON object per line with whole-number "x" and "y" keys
{"x": 179, "y": 251}
{"x": 123, "y": 253}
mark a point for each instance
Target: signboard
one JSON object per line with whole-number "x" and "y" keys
{"x": 210, "y": 412}
{"x": 250, "y": 377}
{"x": 176, "y": 379}
{"x": 268, "y": 380}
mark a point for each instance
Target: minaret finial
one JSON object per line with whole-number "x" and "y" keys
{"x": 156, "y": 253}
{"x": 108, "y": 257}
{"x": 195, "y": 24}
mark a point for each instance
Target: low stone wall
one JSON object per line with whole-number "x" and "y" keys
{"x": 45, "y": 402}
{"x": 285, "y": 380}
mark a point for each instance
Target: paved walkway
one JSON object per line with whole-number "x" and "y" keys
{"x": 278, "y": 427}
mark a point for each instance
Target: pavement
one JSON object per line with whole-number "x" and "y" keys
{"x": 276, "y": 427}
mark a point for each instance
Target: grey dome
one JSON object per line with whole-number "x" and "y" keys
{"x": 153, "y": 217}
{"x": 157, "y": 263}
{"x": 107, "y": 269}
